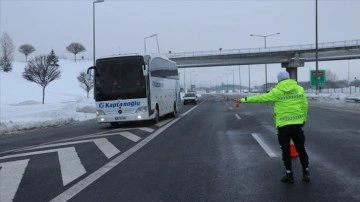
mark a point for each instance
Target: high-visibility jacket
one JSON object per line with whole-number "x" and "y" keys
{"x": 290, "y": 102}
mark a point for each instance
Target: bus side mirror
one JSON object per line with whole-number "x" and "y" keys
{"x": 90, "y": 68}
{"x": 145, "y": 70}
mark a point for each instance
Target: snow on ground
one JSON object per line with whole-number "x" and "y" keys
{"x": 66, "y": 102}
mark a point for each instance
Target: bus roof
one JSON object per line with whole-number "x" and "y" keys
{"x": 151, "y": 55}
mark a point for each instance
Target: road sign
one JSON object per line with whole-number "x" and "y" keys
{"x": 320, "y": 75}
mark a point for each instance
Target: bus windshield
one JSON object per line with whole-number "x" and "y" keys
{"x": 119, "y": 78}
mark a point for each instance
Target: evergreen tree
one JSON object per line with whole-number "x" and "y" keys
{"x": 53, "y": 59}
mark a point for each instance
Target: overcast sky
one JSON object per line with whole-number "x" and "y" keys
{"x": 183, "y": 26}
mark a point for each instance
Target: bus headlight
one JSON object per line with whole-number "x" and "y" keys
{"x": 100, "y": 112}
{"x": 141, "y": 110}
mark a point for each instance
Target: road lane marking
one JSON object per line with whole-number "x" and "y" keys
{"x": 81, "y": 185}
{"x": 11, "y": 174}
{"x": 238, "y": 117}
{"x": 70, "y": 164}
{"x": 98, "y": 134}
{"x": 106, "y": 147}
{"x": 130, "y": 136}
{"x": 161, "y": 123}
{"x": 263, "y": 145}
{"x": 146, "y": 129}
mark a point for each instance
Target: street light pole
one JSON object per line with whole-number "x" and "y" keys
{"x": 317, "y": 50}
{"x": 191, "y": 79}
{"x": 249, "y": 77}
{"x": 94, "y": 2}
{"x": 239, "y": 80}
{"x": 227, "y": 83}
{"x": 157, "y": 42}
{"x": 233, "y": 80}
{"x": 184, "y": 79}
{"x": 265, "y": 36}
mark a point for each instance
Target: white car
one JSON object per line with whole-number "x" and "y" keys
{"x": 190, "y": 98}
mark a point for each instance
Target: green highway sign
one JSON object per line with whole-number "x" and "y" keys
{"x": 320, "y": 75}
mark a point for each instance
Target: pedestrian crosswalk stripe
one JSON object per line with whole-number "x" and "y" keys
{"x": 70, "y": 164}
{"x": 106, "y": 147}
{"x": 130, "y": 136}
{"x": 161, "y": 123}
{"x": 11, "y": 174}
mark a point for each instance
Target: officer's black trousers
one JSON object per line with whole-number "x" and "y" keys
{"x": 294, "y": 132}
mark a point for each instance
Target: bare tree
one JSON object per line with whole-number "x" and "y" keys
{"x": 331, "y": 79}
{"x": 75, "y": 48}
{"x": 7, "y": 50}
{"x": 42, "y": 70}
{"x": 26, "y": 49}
{"x": 86, "y": 82}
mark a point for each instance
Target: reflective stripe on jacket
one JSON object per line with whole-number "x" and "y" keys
{"x": 290, "y": 103}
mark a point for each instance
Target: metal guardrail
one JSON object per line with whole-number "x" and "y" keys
{"x": 336, "y": 44}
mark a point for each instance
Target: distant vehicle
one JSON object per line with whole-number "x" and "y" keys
{"x": 190, "y": 98}
{"x": 135, "y": 88}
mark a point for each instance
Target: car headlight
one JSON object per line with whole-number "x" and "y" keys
{"x": 100, "y": 112}
{"x": 141, "y": 109}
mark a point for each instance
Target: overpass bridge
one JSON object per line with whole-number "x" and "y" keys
{"x": 290, "y": 57}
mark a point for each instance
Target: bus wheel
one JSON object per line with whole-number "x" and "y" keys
{"x": 173, "y": 114}
{"x": 156, "y": 119}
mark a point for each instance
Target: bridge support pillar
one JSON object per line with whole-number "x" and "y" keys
{"x": 291, "y": 66}
{"x": 292, "y": 72}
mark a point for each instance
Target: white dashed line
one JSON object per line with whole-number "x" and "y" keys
{"x": 237, "y": 116}
{"x": 263, "y": 145}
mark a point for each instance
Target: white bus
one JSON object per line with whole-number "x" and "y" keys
{"x": 135, "y": 88}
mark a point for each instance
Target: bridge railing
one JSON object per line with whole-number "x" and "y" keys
{"x": 268, "y": 49}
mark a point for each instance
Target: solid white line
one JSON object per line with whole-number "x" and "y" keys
{"x": 106, "y": 147}
{"x": 11, "y": 174}
{"x": 103, "y": 144}
{"x": 70, "y": 165}
{"x": 263, "y": 145}
{"x": 75, "y": 189}
{"x": 29, "y": 154}
{"x": 130, "y": 136}
{"x": 238, "y": 117}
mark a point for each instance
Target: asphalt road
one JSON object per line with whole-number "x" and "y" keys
{"x": 213, "y": 151}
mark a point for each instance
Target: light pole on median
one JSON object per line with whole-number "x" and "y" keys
{"x": 157, "y": 42}
{"x": 265, "y": 36}
{"x": 191, "y": 79}
{"x": 233, "y": 79}
{"x": 239, "y": 80}
{"x": 249, "y": 77}
{"x": 316, "y": 49}
{"x": 94, "y": 2}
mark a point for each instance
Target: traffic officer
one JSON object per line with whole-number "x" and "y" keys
{"x": 290, "y": 115}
